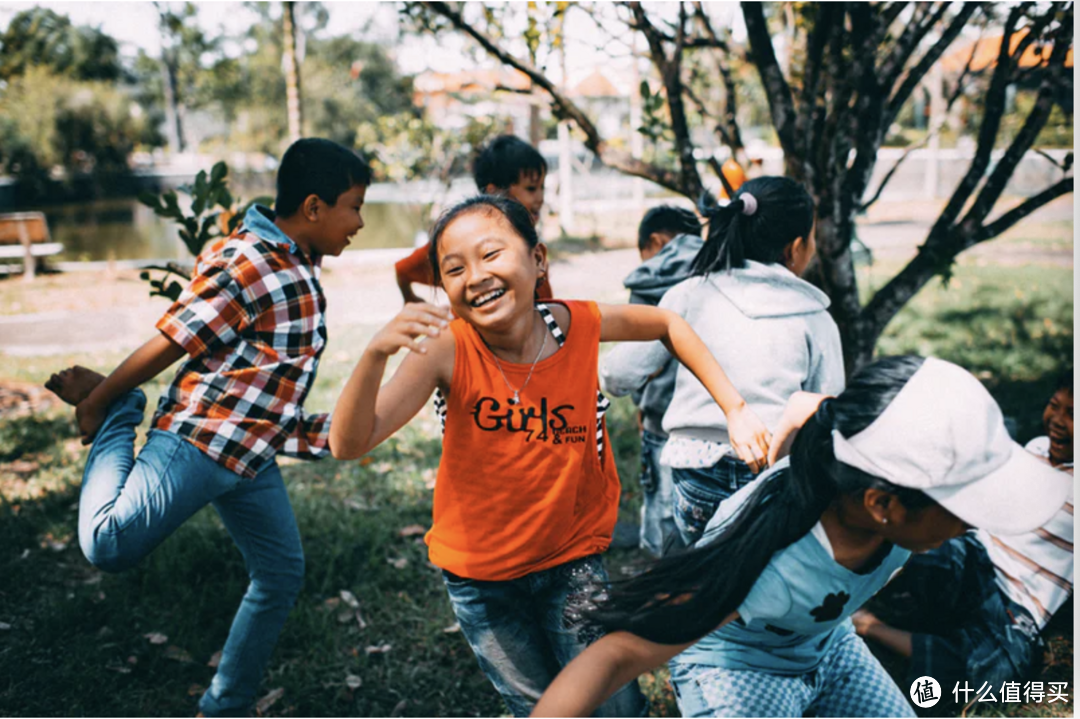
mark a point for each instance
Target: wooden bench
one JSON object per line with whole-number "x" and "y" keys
{"x": 25, "y": 235}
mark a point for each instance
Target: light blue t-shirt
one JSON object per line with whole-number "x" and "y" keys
{"x": 799, "y": 606}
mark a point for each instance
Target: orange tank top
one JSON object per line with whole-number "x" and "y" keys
{"x": 523, "y": 488}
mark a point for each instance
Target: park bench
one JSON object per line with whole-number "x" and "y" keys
{"x": 25, "y": 235}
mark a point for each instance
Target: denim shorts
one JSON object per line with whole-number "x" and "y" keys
{"x": 524, "y": 631}
{"x": 699, "y": 491}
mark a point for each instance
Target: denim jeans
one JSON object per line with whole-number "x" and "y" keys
{"x": 129, "y": 505}
{"x": 524, "y": 631}
{"x": 964, "y": 627}
{"x": 698, "y": 492}
{"x": 657, "y": 515}
{"x": 850, "y": 682}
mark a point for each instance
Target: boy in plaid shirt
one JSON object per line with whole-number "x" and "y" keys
{"x": 252, "y": 329}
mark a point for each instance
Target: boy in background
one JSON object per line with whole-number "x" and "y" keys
{"x": 669, "y": 238}
{"x": 983, "y": 600}
{"x": 251, "y": 325}
{"x": 507, "y": 166}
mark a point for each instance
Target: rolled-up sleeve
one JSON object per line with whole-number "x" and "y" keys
{"x": 212, "y": 310}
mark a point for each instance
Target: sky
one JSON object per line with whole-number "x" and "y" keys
{"x": 134, "y": 25}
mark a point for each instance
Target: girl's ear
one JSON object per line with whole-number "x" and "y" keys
{"x": 792, "y": 250}
{"x": 883, "y": 507}
{"x": 490, "y": 189}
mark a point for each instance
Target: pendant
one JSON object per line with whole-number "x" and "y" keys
{"x": 516, "y": 399}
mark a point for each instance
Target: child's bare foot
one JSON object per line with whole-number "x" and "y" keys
{"x": 74, "y": 384}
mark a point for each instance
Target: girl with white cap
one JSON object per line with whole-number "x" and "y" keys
{"x": 756, "y": 617}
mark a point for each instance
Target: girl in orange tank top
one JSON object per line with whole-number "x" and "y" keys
{"x": 527, "y": 490}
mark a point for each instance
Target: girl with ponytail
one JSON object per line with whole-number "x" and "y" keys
{"x": 769, "y": 329}
{"x": 913, "y": 453}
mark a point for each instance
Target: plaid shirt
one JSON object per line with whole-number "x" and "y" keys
{"x": 252, "y": 324}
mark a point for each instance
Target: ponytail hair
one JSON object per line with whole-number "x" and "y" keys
{"x": 764, "y": 216}
{"x": 684, "y": 596}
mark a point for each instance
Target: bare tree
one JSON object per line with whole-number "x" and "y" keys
{"x": 292, "y": 72}
{"x": 852, "y": 68}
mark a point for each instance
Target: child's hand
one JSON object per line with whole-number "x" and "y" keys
{"x": 415, "y": 323}
{"x": 749, "y": 437}
{"x": 800, "y": 407}
{"x": 89, "y": 417}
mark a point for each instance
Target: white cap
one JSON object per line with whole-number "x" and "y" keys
{"x": 944, "y": 434}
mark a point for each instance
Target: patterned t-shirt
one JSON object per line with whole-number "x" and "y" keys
{"x": 252, "y": 322}
{"x": 799, "y": 605}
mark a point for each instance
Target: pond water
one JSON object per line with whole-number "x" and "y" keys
{"x": 123, "y": 229}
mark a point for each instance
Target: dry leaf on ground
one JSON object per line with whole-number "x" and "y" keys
{"x": 412, "y": 530}
{"x": 214, "y": 660}
{"x": 156, "y": 637}
{"x": 269, "y": 700}
{"x": 377, "y": 649}
{"x": 352, "y": 681}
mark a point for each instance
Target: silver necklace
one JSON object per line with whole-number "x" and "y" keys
{"x": 516, "y": 399}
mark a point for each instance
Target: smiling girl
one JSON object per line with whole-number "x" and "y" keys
{"x": 527, "y": 491}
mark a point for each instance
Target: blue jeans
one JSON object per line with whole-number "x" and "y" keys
{"x": 849, "y": 682}
{"x": 964, "y": 627}
{"x": 657, "y": 515}
{"x": 524, "y": 631}
{"x": 129, "y": 505}
{"x": 698, "y": 492}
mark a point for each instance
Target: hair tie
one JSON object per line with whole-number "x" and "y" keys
{"x": 749, "y": 203}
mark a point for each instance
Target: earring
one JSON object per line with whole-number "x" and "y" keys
{"x": 884, "y": 520}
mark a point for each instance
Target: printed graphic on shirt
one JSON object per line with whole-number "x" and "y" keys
{"x": 539, "y": 423}
{"x": 831, "y": 607}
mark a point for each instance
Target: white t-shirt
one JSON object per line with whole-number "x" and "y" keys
{"x": 1035, "y": 569}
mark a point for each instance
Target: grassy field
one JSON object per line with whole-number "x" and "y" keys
{"x": 74, "y": 641}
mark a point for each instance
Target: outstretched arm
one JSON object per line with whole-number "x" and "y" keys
{"x": 366, "y": 413}
{"x": 601, "y": 670}
{"x": 748, "y": 435}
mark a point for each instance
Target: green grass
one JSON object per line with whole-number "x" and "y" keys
{"x": 75, "y": 645}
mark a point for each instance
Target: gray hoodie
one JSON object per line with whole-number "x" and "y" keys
{"x": 647, "y": 284}
{"x": 768, "y": 329}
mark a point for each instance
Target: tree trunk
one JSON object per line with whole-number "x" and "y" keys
{"x": 174, "y": 130}
{"x": 292, "y": 74}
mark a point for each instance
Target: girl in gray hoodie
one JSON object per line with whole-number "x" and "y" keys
{"x": 769, "y": 329}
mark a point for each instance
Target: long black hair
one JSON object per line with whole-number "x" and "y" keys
{"x": 514, "y": 212}
{"x": 780, "y": 211}
{"x": 685, "y": 596}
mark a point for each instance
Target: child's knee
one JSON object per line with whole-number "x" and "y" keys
{"x": 286, "y": 578}
{"x": 106, "y": 554}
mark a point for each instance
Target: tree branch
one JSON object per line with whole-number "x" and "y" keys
{"x": 777, "y": 90}
{"x": 909, "y": 40}
{"x": 1036, "y": 120}
{"x": 994, "y": 109}
{"x": 564, "y": 107}
{"x": 1025, "y": 208}
{"x": 915, "y": 75}
{"x": 670, "y": 69}
{"x": 729, "y": 125}
{"x": 892, "y": 171}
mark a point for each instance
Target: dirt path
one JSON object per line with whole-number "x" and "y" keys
{"x": 87, "y": 311}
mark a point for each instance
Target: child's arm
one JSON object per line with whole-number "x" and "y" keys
{"x": 747, "y": 434}
{"x": 413, "y": 268}
{"x": 601, "y": 670}
{"x": 801, "y": 406}
{"x": 366, "y": 414}
{"x": 141, "y": 366}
